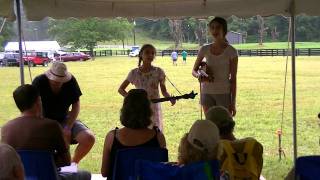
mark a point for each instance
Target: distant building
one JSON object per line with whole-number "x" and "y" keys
{"x": 34, "y": 46}
{"x": 235, "y": 37}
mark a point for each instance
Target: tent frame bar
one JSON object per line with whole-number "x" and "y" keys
{"x": 294, "y": 105}
{"x": 21, "y": 63}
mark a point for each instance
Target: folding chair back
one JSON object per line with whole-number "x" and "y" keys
{"x": 308, "y": 167}
{"x": 204, "y": 170}
{"x": 38, "y": 165}
{"x": 125, "y": 160}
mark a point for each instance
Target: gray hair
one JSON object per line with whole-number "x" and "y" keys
{"x": 9, "y": 161}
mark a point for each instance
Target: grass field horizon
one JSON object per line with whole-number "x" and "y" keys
{"x": 160, "y": 44}
{"x": 163, "y": 45}
{"x": 259, "y": 103}
{"x": 142, "y": 38}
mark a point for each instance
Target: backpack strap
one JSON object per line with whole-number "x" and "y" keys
{"x": 249, "y": 145}
{"x": 228, "y": 147}
{"x": 226, "y": 166}
{"x": 251, "y": 163}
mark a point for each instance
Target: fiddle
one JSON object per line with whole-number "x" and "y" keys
{"x": 191, "y": 95}
{"x": 205, "y": 75}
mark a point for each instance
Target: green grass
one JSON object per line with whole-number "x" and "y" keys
{"x": 259, "y": 103}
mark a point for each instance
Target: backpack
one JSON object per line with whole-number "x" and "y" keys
{"x": 242, "y": 159}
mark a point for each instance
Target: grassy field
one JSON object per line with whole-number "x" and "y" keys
{"x": 259, "y": 103}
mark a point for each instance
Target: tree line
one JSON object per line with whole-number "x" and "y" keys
{"x": 86, "y": 33}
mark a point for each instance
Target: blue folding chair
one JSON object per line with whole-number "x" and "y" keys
{"x": 38, "y": 165}
{"x": 308, "y": 168}
{"x": 125, "y": 160}
{"x": 203, "y": 170}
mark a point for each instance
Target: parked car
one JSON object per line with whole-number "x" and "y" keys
{"x": 1, "y": 57}
{"x": 10, "y": 59}
{"x": 134, "y": 51}
{"x": 75, "y": 56}
{"x": 36, "y": 58}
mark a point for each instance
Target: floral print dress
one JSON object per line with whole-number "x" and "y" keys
{"x": 150, "y": 82}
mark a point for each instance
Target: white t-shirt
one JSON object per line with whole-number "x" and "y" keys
{"x": 219, "y": 65}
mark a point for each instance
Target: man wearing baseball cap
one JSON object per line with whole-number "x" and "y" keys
{"x": 59, "y": 90}
{"x": 221, "y": 117}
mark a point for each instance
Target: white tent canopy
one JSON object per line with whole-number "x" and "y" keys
{"x": 33, "y": 46}
{"x": 38, "y": 9}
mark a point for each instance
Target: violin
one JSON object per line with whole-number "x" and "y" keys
{"x": 205, "y": 73}
{"x": 191, "y": 95}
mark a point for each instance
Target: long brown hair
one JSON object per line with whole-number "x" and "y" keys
{"x": 145, "y": 46}
{"x": 223, "y": 23}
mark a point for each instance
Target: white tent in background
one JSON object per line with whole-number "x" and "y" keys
{"x": 33, "y": 46}
{"x": 38, "y": 9}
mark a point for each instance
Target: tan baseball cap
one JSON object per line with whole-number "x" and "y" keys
{"x": 204, "y": 135}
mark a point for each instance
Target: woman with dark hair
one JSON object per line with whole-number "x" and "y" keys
{"x": 218, "y": 86}
{"x": 136, "y": 118}
{"x": 148, "y": 77}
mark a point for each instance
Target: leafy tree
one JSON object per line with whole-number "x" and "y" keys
{"x": 189, "y": 28}
{"x": 176, "y": 31}
{"x": 86, "y": 33}
{"x": 307, "y": 28}
{"x": 159, "y": 28}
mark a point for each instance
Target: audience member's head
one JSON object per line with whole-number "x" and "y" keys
{"x": 27, "y": 97}
{"x": 223, "y": 119}
{"x": 11, "y": 167}
{"x": 200, "y": 144}
{"x": 136, "y": 110}
{"x": 58, "y": 75}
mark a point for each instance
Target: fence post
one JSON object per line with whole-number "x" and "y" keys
{"x": 309, "y": 52}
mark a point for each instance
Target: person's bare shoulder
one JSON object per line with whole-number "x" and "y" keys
{"x": 51, "y": 125}
{"x": 10, "y": 124}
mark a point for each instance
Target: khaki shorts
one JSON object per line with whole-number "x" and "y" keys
{"x": 210, "y": 100}
{"x": 77, "y": 127}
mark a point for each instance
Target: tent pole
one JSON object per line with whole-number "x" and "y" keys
{"x": 3, "y": 23}
{"x": 20, "y": 41}
{"x": 293, "y": 63}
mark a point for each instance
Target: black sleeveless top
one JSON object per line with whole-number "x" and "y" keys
{"x": 116, "y": 145}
